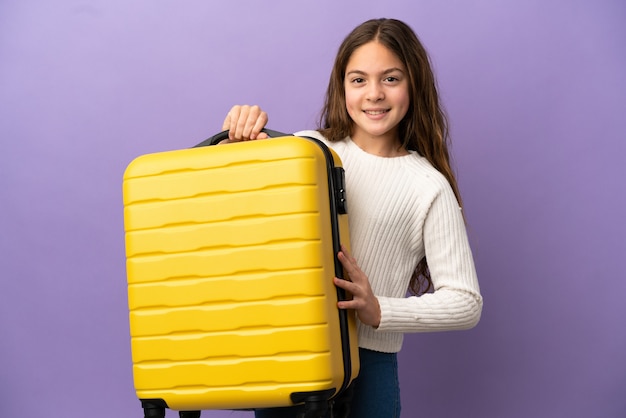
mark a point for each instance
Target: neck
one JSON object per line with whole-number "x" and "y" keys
{"x": 379, "y": 146}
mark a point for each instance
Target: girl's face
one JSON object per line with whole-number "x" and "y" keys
{"x": 377, "y": 93}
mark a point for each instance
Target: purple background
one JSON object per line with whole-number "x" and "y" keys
{"x": 535, "y": 90}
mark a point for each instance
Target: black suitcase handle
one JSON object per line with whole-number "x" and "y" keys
{"x": 216, "y": 139}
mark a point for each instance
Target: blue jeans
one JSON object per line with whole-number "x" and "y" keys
{"x": 374, "y": 393}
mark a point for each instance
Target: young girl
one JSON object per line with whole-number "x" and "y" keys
{"x": 382, "y": 117}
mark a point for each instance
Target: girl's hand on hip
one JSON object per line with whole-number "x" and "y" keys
{"x": 364, "y": 302}
{"x": 245, "y": 122}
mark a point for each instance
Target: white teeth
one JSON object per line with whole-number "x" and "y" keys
{"x": 375, "y": 112}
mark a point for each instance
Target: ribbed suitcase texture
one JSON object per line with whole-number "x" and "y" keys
{"x": 231, "y": 254}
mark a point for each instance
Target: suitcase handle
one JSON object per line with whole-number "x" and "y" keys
{"x": 215, "y": 139}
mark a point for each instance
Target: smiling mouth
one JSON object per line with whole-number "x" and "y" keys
{"x": 375, "y": 112}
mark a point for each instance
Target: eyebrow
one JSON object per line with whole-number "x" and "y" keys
{"x": 388, "y": 71}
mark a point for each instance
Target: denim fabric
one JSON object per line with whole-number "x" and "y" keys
{"x": 375, "y": 392}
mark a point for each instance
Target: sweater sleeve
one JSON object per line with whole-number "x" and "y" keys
{"x": 456, "y": 302}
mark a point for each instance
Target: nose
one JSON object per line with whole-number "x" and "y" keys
{"x": 375, "y": 92}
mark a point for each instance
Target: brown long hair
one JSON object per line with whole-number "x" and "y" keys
{"x": 424, "y": 128}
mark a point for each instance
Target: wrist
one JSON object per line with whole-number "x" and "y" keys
{"x": 378, "y": 316}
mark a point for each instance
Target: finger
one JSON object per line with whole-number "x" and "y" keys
{"x": 356, "y": 304}
{"x": 255, "y": 121}
{"x": 238, "y": 126}
{"x": 346, "y": 304}
{"x": 347, "y": 255}
{"x": 260, "y": 121}
{"x": 348, "y": 286}
{"x": 227, "y": 119}
{"x": 230, "y": 123}
{"x": 342, "y": 283}
{"x": 226, "y": 123}
{"x": 348, "y": 263}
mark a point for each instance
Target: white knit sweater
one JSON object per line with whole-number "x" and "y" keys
{"x": 400, "y": 209}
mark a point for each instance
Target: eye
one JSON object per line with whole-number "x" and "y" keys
{"x": 358, "y": 80}
{"x": 391, "y": 79}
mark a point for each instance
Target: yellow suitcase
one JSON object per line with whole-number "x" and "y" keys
{"x": 231, "y": 253}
